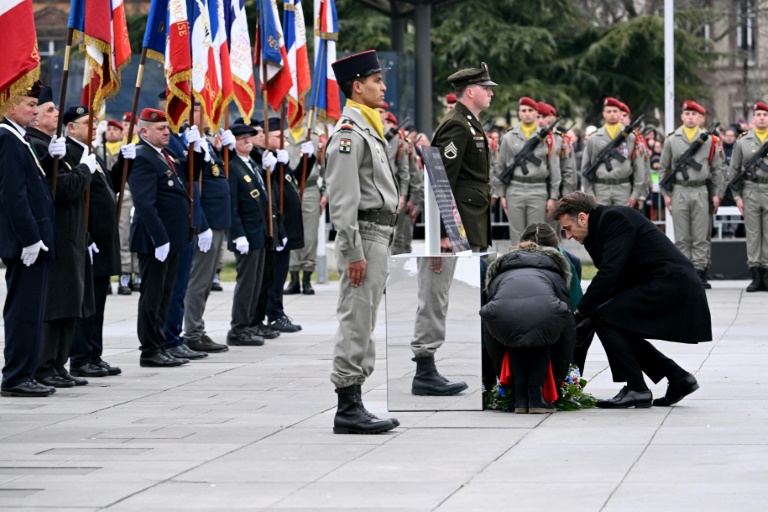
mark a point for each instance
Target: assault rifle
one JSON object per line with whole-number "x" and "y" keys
{"x": 526, "y": 154}
{"x": 610, "y": 151}
{"x": 750, "y": 167}
{"x": 686, "y": 160}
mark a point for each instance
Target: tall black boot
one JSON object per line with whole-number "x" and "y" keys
{"x": 429, "y": 382}
{"x": 757, "y": 279}
{"x": 521, "y": 399}
{"x": 306, "y": 284}
{"x": 352, "y": 417}
{"x": 359, "y": 391}
{"x": 536, "y": 402}
{"x": 293, "y": 287}
{"x": 703, "y": 278}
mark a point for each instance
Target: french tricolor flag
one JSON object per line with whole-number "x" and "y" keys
{"x": 240, "y": 58}
{"x": 270, "y": 53}
{"x": 324, "y": 97}
{"x": 206, "y": 63}
{"x": 296, "y": 45}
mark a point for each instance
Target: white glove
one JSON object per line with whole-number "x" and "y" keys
{"x": 282, "y": 156}
{"x": 92, "y": 249}
{"x": 285, "y": 240}
{"x": 101, "y": 129}
{"x": 57, "y": 147}
{"x": 227, "y": 139}
{"x": 241, "y": 244}
{"x": 161, "y": 253}
{"x": 90, "y": 161}
{"x": 192, "y": 135}
{"x": 30, "y": 253}
{"x": 308, "y": 148}
{"x": 268, "y": 160}
{"x": 204, "y": 240}
{"x": 129, "y": 151}
{"x": 203, "y": 145}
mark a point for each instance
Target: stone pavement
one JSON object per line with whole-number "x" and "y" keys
{"x": 250, "y": 429}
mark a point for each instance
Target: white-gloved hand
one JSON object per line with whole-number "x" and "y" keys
{"x": 268, "y": 160}
{"x": 202, "y": 145}
{"x": 101, "y": 129}
{"x": 57, "y": 147}
{"x": 241, "y": 244}
{"x": 282, "y": 156}
{"x": 30, "y": 253}
{"x": 308, "y": 148}
{"x": 92, "y": 249}
{"x": 284, "y": 241}
{"x": 129, "y": 151}
{"x": 90, "y": 161}
{"x": 204, "y": 240}
{"x": 227, "y": 138}
{"x": 192, "y": 135}
{"x": 161, "y": 253}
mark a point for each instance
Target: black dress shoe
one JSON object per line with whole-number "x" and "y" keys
{"x": 182, "y": 352}
{"x": 111, "y": 370}
{"x": 124, "y": 285}
{"x": 677, "y": 391}
{"x": 244, "y": 339}
{"x": 627, "y": 398}
{"x": 159, "y": 360}
{"x": 205, "y": 344}
{"x": 216, "y": 284}
{"x": 136, "y": 284}
{"x": 88, "y": 370}
{"x": 77, "y": 380}
{"x": 265, "y": 332}
{"x": 56, "y": 382}
{"x": 29, "y": 388}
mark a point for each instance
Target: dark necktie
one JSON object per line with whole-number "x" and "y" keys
{"x": 168, "y": 159}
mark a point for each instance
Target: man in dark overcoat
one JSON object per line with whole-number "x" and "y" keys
{"x": 644, "y": 288}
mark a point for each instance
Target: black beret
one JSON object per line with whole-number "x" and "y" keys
{"x": 34, "y": 89}
{"x": 358, "y": 65}
{"x": 46, "y": 95}
{"x": 242, "y": 129}
{"x": 74, "y": 113}
{"x": 274, "y": 124}
{"x": 254, "y": 122}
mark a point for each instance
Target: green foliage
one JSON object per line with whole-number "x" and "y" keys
{"x": 137, "y": 24}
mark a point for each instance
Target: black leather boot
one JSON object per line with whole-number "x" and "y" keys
{"x": 359, "y": 391}
{"x": 306, "y": 284}
{"x": 536, "y": 402}
{"x": 757, "y": 280}
{"x": 521, "y": 399}
{"x": 352, "y": 417}
{"x": 703, "y": 278}
{"x": 429, "y": 382}
{"x": 293, "y": 287}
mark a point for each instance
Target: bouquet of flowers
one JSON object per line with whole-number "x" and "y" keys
{"x": 571, "y": 394}
{"x": 499, "y": 398}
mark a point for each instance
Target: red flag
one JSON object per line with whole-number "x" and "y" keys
{"x": 178, "y": 64}
{"x": 20, "y": 59}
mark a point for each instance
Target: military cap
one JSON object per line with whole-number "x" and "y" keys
{"x": 242, "y": 129}
{"x": 389, "y": 116}
{"x": 450, "y": 98}
{"x": 74, "y": 113}
{"x": 384, "y": 105}
{"x": 472, "y": 76}
{"x": 34, "y": 90}
{"x": 359, "y": 65}
{"x": 46, "y": 95}
{"x": 612, "y": 102}
{"x": 545, "y": 109}
{"x": 525, "y": 101}
{"x": 692, "y": 105}
{"x": 254, "y": 122}
{"x": 625, "y": 108}
{"x": 152, "y": 115}
{"x": 127, "y": 117}
{"x": 761, "y": 106}
{"x": 116, "y": 124}
{"x": 274, "y": 124}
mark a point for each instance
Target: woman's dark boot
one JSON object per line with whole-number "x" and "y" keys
{"x": 537, "y": 404}
{"x": 293, "y": 287}
{"x": 757, "y": 279}
{"x": 521, "y": 399}
{"x": 352, "y": 417}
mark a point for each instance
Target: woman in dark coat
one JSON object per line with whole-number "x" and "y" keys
{"x": 528, "y": 315}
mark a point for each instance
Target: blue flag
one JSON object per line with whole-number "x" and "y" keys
{"x": 156, "y": 32}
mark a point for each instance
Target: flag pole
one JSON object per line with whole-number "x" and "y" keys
{"x": 62, "y": 101}
{"x": 267, "y": 170}
{"x": 191, "y": 166}
{"x": 281, "y": 166}
{"x": 226, "y": 148}
{"x": 134, "y": 111}
{"x": 91, "y": 94}
{"x": 310, "y": 119}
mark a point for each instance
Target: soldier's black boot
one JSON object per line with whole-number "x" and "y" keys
{"x": 352, "y": 417}
{"x": 429, "y": 382}
{"x": 703, "y": 278}
{"x": 124, "y": 285}
{"x": 757, "y": 279}
{"x": 293, "y": 287}
{"x": 306, "y": 284}
{"x": 359, "y": 391}
{"x": 536, "y": 402}
{"x": 521, "y": 399}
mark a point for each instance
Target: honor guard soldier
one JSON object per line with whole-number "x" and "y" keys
{"x": 750, "y": 192}
{"x": 414, "y": 200}
{"x": 689, "y": 198}
{"x": 641, "y": 148}
{"x": 398, "y": 154}
{"x": 26, "y": 244}
{"x": 363, "y": 200}
{"x": 547, "y": 114}
{"x": 624, "y": 184}
{"x": 130, "y": 278}
{"x": 533, "y": 189}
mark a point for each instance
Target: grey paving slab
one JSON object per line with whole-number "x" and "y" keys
{"x": 250, "y": 429}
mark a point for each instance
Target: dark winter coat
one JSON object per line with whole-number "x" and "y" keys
{"x": 644, "y": 284}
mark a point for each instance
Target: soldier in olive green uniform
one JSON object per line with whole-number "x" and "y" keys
{"x": 363, "y": 199}
{"x": 528, "y": 198}
{"x": 752, "y": 199}
{"x": 465, "y": 153}
{"x": 414, "y": 200}
{"x": 305, "y": 259}
{"x": 626, "y": 184}
{"x": 689, "y": 199}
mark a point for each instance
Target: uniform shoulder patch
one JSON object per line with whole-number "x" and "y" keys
{"x": 345, "y": 146}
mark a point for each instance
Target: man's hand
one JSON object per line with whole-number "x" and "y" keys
{"x": 90, "y": 161}
{"x": 323, "y": 203}
{"x": 356, "y": 272}
{"x": 436, "y": 264}
{"x": 400, "y": 204}
{"x": 227, "y": 139}
{"x": 740, "y": 205}
{"x": 204, "y": 240}
{"x": 632, "y": 202}
{"x": 161, "y": 253}
{"x": 30, "y": 253}
{"x": 504, "y": 205}
{"x": 445, "y": 245}
{"x": 668, "y": 203}
{"x": 57, "y": 147}
{"x": 715, "y": 204}
{"x": 282, "y": 156}
{"x": 129, "y": 151}
{"x": 92, "y": 249}
{"x": 241, "y": 244}
{"x": 308, "y": 148}
{"x": 640, "y": 204}
{"x": 550, "y": 207}
{"x": 268, "y": 160}
{"x": 412, "y": 211}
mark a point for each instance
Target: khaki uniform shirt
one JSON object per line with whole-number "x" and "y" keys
{"x": 397, "y": 151}
{"x": 633, "y": 167}
{"x": 676, "y": 144}
{"x": 743, "y": 149}
{"x": 547, "y": 151}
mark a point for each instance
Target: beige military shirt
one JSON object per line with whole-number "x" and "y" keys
{"x": 567, "y": 164}
{"x": 293, "y": 147}
{"x": 710, "y": 156}
{"x": 547, "y": 151}
{"x": 398, "y": 159}
{"x": 744, "y": 149}
{"x": 359, "y": 178}
{"x": 633, "y": 166}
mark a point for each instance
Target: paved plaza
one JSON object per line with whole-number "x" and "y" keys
{"x": 250, "y": 429}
